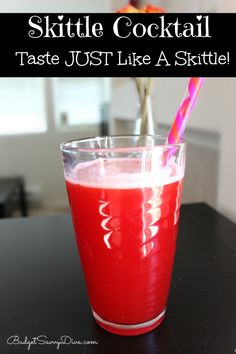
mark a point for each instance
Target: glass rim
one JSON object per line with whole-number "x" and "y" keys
{"x": 66, "y": 145}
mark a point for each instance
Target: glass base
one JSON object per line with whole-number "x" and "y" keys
{"x": 129, "y": 330}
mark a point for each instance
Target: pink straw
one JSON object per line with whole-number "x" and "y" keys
{"x": 180, "y": 121}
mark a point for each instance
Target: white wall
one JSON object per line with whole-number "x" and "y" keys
{"x": 55, "y": 6}
{"x": 226, "y": 6}
{"x": 167, "y": 95}
{"x": 227, "y": 171}
{"x": 189, "y": 6}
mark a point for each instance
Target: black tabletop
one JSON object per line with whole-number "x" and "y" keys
{"x": 43, "y": 297}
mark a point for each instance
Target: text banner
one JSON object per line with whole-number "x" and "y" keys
{"x": 113, "y": 45}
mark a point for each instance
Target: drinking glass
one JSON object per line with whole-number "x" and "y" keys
{"x": 125, "y": 195}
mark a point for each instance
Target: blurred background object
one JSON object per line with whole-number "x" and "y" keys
{"x": 36, "y": 115}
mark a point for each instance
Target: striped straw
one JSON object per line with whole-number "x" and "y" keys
{"x": 180, "y": 121}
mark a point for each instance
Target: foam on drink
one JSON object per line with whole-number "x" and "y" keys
{"x": 125, "y": 173}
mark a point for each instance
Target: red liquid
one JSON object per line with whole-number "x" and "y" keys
{"x": 126, "y": 239}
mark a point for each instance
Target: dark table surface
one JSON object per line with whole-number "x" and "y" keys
{"x": 42, "y": 290}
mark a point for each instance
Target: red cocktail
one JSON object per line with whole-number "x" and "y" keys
{"x": 125, "y": 213}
